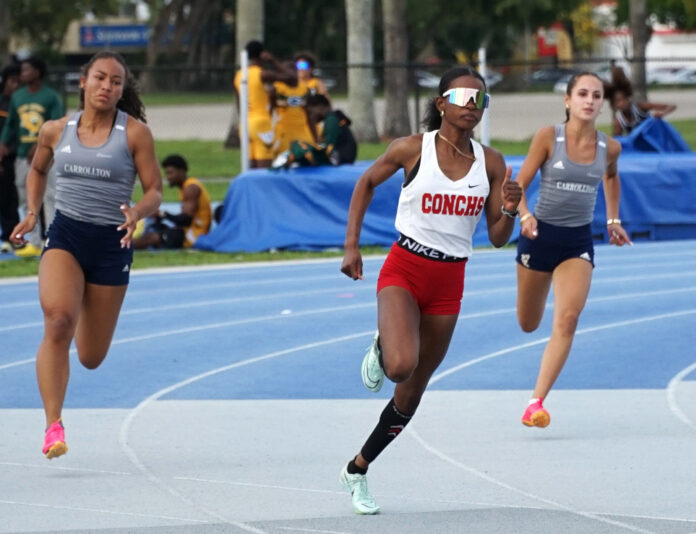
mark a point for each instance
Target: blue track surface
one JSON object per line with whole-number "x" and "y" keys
{"x": 299, "y": 330}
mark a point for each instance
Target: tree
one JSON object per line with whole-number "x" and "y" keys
{"x": 250, "y": 19}
{"x": 639, "y": 29}
{"x": 43, "y": 23}
{"x": 396, "y": 121}
{"x": 359, "y": 22}
{"x": 681, "y": 13}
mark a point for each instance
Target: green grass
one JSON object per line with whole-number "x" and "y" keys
{"x": 208, "y": 159}
{"x": 167, "y": 258}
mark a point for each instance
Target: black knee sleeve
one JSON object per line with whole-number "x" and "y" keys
{"x": 390, "y": 425}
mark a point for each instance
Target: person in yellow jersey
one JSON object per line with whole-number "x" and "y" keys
{"x": 182, "y": 229}
{"x": 292, "y": 123}
{"x": 305, "y": 63}
{"x": 260, "y": 125}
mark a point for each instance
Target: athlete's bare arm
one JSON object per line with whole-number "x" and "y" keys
{"x": 539, "y": 151}
{"x": 142, "y": 146}
{"x": 612, "y": 194}
{"x": 503, "y": 192}
{"x": 402, "y": 153}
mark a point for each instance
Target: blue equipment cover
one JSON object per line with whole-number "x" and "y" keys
{"x": 653, "y": 135}
{"x": 307, "y": 208}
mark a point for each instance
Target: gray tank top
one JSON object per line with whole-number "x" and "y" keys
{"x": 568, "y": 190}
{"x": 93, "y": 182}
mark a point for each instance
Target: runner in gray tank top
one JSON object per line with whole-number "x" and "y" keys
{"x": 86, "y": 260}
{"x": 93, "y": 182}
{"x": 555, "y": 243}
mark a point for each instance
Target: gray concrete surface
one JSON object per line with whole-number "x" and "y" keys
{"x": 465, "y": 464}
{"x": 515, "y": 116}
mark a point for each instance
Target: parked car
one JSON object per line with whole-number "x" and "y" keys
{"x": 550, "y": 75}
{"x": 427, "y": 79}
{"x": 663, "y": 75}
{"x": 686, "y": 76}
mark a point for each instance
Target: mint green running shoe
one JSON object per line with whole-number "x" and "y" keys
{"x": 363, "y": 503}
{"x": 371, "y": 371}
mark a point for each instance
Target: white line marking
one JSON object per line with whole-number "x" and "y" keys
{"x": 314, "y": 530}
{"x": 17, "y": 363}
{"x": 128, "y": 421}
{"x": 100, "y": 511}
{"x": 444, "y": 457}
{"x": 57, "y": 468}
{"x": 671, "y": 393}
{"x": 469, "y": 363}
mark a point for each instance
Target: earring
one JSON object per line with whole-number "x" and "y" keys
{"x": 442, "y": 113}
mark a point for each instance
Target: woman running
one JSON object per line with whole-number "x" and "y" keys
{"x": 85, "y": 264}
{"x": 555, "y": 245}
{"x": 449, "y": 179}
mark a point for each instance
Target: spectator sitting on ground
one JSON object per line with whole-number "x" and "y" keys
{"x": 337, "y": 144}
{"x": 629, "y": 114}
{"x": 195, "y": 217}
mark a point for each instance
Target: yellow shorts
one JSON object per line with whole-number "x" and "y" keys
{"x": 261, "y": 138}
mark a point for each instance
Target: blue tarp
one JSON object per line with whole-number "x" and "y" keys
{"x": 653, "y": 135}
{"x": 306, "y": 208}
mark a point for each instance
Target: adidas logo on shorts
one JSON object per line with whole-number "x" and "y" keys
{"x": 586, "y": 256}
{"x": 126, "y": 268}
{"x": 524, "y": 258}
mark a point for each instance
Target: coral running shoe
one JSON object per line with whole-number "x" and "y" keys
{"x": 536, "y": 415}
{"x": 54, "y": 443}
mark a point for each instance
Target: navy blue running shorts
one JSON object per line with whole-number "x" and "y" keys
{"x": 554, "y": 245}
{"x": 96, "y": 247}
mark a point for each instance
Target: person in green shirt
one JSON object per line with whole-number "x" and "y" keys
{"x": 337, "y": 144}
{"x": 30, "y": 106}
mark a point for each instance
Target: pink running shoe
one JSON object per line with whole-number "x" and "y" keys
{"x": 536, "y": 415}
{"x": 54, "y": 442}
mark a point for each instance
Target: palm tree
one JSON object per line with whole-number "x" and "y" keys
{"x": 359, "y": 22}
{"x": 396, "y": 123}
{"x": 250, "y": 21}
{"x": 639, "y": 29}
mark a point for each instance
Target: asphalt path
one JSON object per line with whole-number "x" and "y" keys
{"x": 513, "y": 116}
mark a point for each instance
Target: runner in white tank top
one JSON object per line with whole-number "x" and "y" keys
{"x": 558, "y": 246}
{"x": 450, "y": 180}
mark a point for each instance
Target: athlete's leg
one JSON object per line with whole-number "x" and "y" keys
{"x": 98, "y": 317}
{"x": 435, "y": 333}
{"x": 398, "y": 320}
{"x": 61, "y": 287}
{"x": 532, "y": 291}
{"x": 571, "y": 285}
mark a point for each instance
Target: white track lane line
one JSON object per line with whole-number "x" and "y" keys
{"x": 58, "y": 468}
{"x": 439, "y": 376}
{"x": 595, "y": 281}
{"x": 102, "y": 511}
{"x": 671, "y": 393}
{"x": 480, "y": 474}
{"x": 492, "y": 480}
{"x": 123, "y": 437}
{"x": 489, "y": 313}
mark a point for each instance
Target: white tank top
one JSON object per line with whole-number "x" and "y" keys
{"x": 441, "y": 213}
